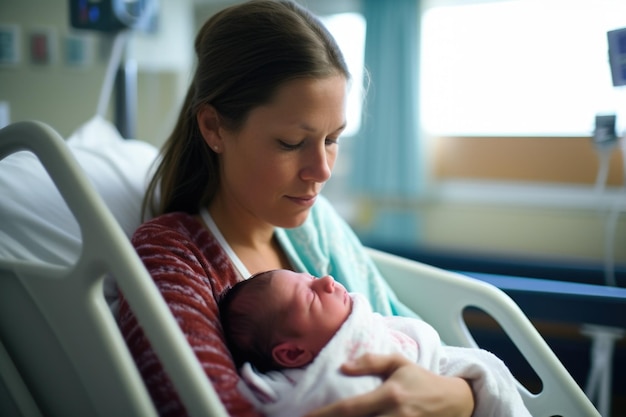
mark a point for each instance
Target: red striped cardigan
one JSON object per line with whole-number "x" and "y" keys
{"x": 190, "y": 269}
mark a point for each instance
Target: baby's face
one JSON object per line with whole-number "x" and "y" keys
{"x": 317, "y": 307}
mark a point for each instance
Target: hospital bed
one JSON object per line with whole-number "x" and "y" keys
{"x": 61, "y": 352}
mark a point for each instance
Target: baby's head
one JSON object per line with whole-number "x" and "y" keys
{"x": 282, "y": 319}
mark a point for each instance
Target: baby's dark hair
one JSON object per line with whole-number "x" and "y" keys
{"x": 248, "y": 319}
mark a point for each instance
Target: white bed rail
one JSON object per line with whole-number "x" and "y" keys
{"x": 56, "y": 328}
{"x": 441, "y": 296}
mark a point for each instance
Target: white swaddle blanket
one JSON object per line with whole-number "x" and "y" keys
{"x": 294, "y": 392}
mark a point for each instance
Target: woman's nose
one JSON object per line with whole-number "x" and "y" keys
{"x": 319, "y": 165}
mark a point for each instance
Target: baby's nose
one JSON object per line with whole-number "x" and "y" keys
{"x": 328, "y": 283}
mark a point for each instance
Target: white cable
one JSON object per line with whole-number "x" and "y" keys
{"x": 119, "y": 45}
{"x": 611, "y": 226}
{"x": 142, "y": 22}
{"x": 609, "y": 245}
{"x": 623, "y": 146}
{"x": 604, "y": 155}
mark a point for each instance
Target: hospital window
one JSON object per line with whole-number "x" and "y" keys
{"x": 348, "y": 29}
{"x": 518, "y": 68}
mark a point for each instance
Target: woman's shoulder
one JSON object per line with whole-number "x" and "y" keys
{"x": 183, "y": 236}
{"x": 177, "y": 223}
{"x": 179, "y": 233}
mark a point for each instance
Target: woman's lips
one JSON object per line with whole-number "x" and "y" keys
{"x": 306, "y": 201}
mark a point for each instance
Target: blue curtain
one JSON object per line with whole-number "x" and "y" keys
{"x": 386, "y": 152}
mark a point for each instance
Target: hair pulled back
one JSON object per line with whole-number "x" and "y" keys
{"x": 243, "y": 54}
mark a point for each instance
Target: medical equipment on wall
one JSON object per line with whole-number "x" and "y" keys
{"x": 606, "y": 140}
{"x": 617, "y": 60}
{"x": 116, "y": 19}
{"x": 113, "y": 15}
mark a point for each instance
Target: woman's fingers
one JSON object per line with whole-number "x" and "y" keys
{"x": 408, "y": 390}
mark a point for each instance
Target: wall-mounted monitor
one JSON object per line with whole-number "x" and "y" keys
{"x": 617, "y": 56}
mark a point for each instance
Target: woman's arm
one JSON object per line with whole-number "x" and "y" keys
{"x": 408, "y": 390}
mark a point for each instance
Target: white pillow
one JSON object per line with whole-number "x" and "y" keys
{"x": 35, "y": 223}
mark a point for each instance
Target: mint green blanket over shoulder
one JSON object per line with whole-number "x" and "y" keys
{"x": 326, "y": 245}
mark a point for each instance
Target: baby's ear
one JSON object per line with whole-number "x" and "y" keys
{"x": 290, "y": 355}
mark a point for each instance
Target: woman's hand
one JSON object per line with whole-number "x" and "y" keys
{"x": 408, "y": 390}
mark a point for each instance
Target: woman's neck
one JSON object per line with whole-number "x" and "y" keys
{"x": 253, "y": 241}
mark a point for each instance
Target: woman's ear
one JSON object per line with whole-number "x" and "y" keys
{"x": 209, "y": 124}
{"x": 290, "y": 355}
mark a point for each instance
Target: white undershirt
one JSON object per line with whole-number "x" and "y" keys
{"x": 239, "y": 266}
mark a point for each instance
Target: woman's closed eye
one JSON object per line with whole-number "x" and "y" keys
{"x": 290, "y": 146}
{"x": 332, "y": 141}
{"x": 293, "y": 145}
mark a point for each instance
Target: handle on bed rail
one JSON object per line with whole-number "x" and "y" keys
{"x": 106, "y": 249}
{"x": 441, "y": 296}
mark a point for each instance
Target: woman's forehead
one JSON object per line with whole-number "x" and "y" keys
{"x": 302, "y": 103}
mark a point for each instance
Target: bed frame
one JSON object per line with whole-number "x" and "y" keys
{"x": 62, "y": 354}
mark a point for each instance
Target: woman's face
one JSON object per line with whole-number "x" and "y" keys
{"x": 274, "y": 167}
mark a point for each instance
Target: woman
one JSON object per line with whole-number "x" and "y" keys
{"x": 238, "y": 191}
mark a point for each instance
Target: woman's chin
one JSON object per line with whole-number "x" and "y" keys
{"x": 294, "y": 221}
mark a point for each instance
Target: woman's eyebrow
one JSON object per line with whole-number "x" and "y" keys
{"x": 341, "y": 128}
{"x": 311, "y": 129}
